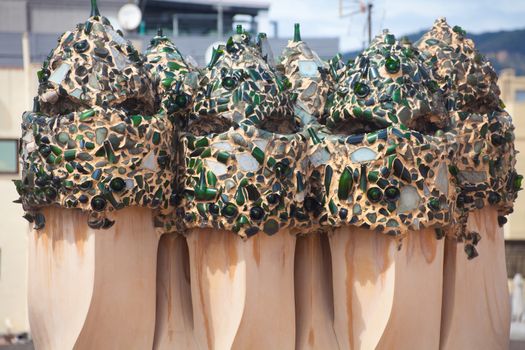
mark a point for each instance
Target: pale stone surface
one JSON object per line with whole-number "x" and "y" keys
{"x": 242, "y": 291}
{"x": 314, "y": 294}
{"x": 376, "y": 287}
{"x": 476, "y": 306}
{"x": 174, "y": 314}
{"x": 90, "y": 289}
{"x": 214, "y": 290}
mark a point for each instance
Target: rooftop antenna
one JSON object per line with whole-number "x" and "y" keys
{"x": 94, "y": 9}
{"x": 369, "y": 7}
{"x": 349, "y": 8}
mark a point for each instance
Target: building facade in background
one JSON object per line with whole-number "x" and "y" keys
{"x": 205, "y": 17}
{"x": 513, "y": 95}
{"x": 13, "y": 228}
{"x": 193, "y": 24}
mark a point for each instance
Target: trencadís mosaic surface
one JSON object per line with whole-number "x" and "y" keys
{"x": 403, "y": 137}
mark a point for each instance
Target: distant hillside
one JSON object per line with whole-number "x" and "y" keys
{"x": 505, "y": 49}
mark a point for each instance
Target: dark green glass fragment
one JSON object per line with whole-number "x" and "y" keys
{"x": 345, "y": 184}
{"x": 223, "y": 156}
{"x": 328, "y": 178}
{"x": 98, "y": 203}
{"x": 258, "y": 154}
{"x": 374, "y": 194}
{"x": 239, "y": 196}
{"x": 271, "y": 227}
{"x": 229, "y": 210}
{"x": 392, "y": 65}
{"x": 433, "y": 203}
{"x": 256, "y": 213}
{"x": 333, "y": 207}
{"x": 94, "y": 9}
{"x": 361, "y": 90}
{"x": 212, "y": 179}
{"x": 86, "y": 115}
{"x": 392, "y": 193}
{"x": 70, "y": 154}
{"x": 229, "y": 83}
{"x": 117, "y": 184}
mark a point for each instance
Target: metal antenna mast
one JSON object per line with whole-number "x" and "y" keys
{"x": 347, "y": 8}
{"x": 369, "y": 20}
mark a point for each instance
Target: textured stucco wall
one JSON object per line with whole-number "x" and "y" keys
{"x": 509, "y": 85}
{"x": 13, "y": 228}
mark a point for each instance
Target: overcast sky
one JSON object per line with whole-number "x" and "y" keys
{"x": 320, "y": 18}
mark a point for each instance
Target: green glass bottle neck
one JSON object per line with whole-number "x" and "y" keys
{"x": 297, "y": 32}
{"x": 94, "y": 9}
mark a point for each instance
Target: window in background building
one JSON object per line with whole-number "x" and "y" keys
{"x": 8, "y": 156}
{"x": 520, "y": 96}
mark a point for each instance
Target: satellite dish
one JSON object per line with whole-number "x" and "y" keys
{"x": 209, "y": 50}
{"x": 129, "y": 17}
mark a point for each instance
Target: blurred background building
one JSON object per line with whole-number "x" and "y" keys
{"x": 194, "y": 25}
{"x": 513, "y": 95}
{"x": 29, "y": 30}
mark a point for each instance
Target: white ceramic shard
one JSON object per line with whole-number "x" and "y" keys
{"x": 247, "y": 162}
{"x": 217, "y": 168}
{"x": 308, "y": 68}
{"x": 363, "y": 154}
{"x": 223, "y": 146}
{"x": 60, "y": 74}
{"x": 319, "y": 157}
{"x": 149, "y": 162}
{"x": 409, "y": 199}
{"x": 442, "y": 179}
